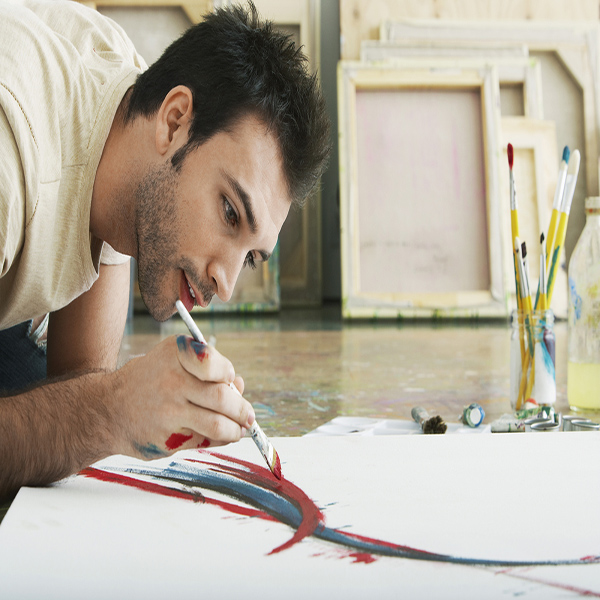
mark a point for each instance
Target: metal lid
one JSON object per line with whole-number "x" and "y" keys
{"x": 545, "y": 426}
{"x": 584, "y": 425}
{"x": 568, "y": 419}
{"x": 529, "y": 423}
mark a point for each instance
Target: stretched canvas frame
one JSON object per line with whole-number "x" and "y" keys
{"x": 576, "y": 45}
{"x": 515, "y": 69}
{"x": 358, "y": 303}
{"x": 535, "y": 171}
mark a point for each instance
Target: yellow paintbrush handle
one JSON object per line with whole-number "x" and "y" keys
{"x": 560, "y": 240}
{"x": 514, "y": 224}
{"x": 550, "y": 237}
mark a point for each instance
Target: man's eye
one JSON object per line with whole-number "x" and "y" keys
{"x": 230, "y": 214}
{"x": 249, "y": 261}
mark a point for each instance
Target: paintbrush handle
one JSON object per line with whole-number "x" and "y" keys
{"x": 263, "y": 444}
{"x": 419, "y": 414}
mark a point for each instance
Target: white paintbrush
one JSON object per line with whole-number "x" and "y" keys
{"x": 260, "y": 439}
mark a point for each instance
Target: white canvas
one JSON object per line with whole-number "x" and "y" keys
{"x": 501, "y": 497}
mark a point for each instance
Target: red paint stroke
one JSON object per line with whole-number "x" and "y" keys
{"x": 176, "y": 440}
{"x": 370, "y": 540}
{"x": 554, "y": 584}
{"x": 205, "y": 443}
{"x": 312, "y": 517}
{"x": 362, "y": 557}
{"x": 156, "y": 488}
{"x": 312, "y": 520}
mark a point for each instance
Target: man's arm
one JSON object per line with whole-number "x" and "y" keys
{"x": 179, "y": 387}
{"x": 87, "y": 333}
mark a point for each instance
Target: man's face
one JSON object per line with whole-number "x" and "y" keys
{"x": 198, "y": 226}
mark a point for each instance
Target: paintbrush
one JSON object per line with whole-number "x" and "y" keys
{"x": 514, "y": 216}
{"x": 260, "y": 439}
{"x": 527, "y": 310}
{"x": 558, "y": 196}
{"x": 428, "y": 424}
{"x": 565, "y": 209}
{"x": 542, "y": 282}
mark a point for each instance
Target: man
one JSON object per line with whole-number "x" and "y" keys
{"x": 190, "y": 167}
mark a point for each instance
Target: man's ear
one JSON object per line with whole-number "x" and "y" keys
{"x": 173, "y": 120}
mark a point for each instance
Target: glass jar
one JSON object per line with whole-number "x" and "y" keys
{"x": 532, "y": 358}
{"x": 583, "y": 374}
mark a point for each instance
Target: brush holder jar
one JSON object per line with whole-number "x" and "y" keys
{"x": 532, "y": 358}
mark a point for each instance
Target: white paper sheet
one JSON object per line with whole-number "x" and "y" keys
{"x": 500, "y": 497}
{"x": 370, "y": 426}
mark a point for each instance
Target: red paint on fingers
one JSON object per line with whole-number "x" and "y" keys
{"x": 177, "y": 440}
{"x": 199, "y": 349}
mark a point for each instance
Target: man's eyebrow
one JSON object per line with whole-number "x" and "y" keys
{"x": 244, "y": 199}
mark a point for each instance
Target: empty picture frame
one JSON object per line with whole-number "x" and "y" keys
{"x": 420, "y": 223}
{"x": 568, "y": 52}
{"x": 535, "y": 170}
{"x": 520, "y": 77}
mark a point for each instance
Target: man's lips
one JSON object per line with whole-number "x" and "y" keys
{"x": 190, "y": 296}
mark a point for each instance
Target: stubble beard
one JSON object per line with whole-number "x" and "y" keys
{"x": 157, "y": 230}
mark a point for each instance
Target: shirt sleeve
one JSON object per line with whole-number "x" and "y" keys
{"x": 12, "y": 196}
{"x": 110, "y": 256}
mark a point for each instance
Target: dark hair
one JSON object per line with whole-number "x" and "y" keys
{"x": 236, "y": 65}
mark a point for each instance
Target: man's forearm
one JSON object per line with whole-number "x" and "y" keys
{"x": 56, "y": 429}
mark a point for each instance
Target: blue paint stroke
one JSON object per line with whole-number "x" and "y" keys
{"x": 263, "y": 494}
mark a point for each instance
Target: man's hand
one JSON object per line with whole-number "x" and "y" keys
{"x": 178, "y": 396}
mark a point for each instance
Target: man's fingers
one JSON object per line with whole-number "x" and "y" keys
{"x": 202, "y": 361}
{"x": 239, "y": 383}
{"x": 213, "y": 426}
{"x": 219, "y": 398}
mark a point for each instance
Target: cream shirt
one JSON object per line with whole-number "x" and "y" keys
{"x": 64, "y": 69}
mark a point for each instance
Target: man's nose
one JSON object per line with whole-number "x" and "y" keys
{"x": 225, "y": 276}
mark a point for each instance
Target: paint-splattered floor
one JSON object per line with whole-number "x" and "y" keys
{"x": 305, "y": 367}
{"x": 302, "y": 368}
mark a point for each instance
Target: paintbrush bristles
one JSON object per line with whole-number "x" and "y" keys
{"x": 428, "y": 424}
{"x": 511, "y": 155}
{"x": 434, "y": 425}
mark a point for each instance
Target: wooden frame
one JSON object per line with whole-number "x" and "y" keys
{"x": 194, "y": 9}
{"x": 535, "y": 170}
{"x": 514, "y": 70}
{"x": 357, "y": 302}
{"x": 569, "y": 52}
{"x": 360, "y": 19}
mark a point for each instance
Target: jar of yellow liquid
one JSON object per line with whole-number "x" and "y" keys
{"x": 583, "y": 375}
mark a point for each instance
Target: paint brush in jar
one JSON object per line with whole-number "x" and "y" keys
{"x": 260, "y": 439}
{"x": 428, "y": 424}
{"x": 553, "y": 258}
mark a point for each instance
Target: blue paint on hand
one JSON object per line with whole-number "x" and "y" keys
{"x": 150, "y": 451}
